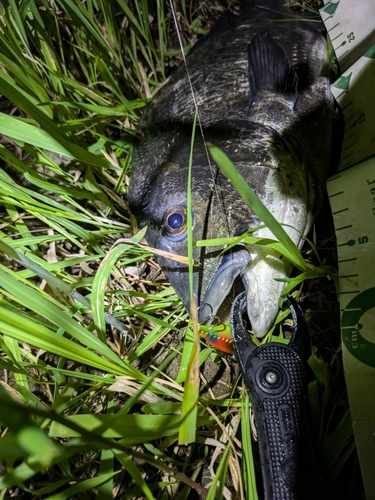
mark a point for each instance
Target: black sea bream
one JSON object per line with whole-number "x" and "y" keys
{"x": 262, "y": 89}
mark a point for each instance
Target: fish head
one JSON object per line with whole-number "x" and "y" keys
{"x": 218, "y": 211}
{"x": 162, "y": 205}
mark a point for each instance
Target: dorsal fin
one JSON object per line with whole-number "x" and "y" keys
{"x": 269, "y": 69}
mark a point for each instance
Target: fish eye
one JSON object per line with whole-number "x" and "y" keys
{"x": 175, "y": 221}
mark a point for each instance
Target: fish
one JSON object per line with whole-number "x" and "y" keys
{"x": 262, "y": 90}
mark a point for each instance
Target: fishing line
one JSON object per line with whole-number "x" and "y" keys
{"x": 189, "y": 80}
{"x": 220, "y": 203}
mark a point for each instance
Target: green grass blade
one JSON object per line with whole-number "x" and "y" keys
{"x": 25, "y": 330}
{"x": 216, "y": 492}
{"x": 57, "y": 315}
{"x": 255, "y": 203}
{"x": 18, "y": 129}
{"x": 132, "y": 429}
{"x": 254, "y": 240}
{"x": 73, "y": 150}
{"x": 98, "y": 288}
{"x": 14, "y": 348}
{"x": 248, "y": 470}
{"x": 84, "y": 485}
{"x": 191, "y": 392}
{"x": 135, "y": 473}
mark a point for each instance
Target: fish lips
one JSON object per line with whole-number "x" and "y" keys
{"x": 222, "y": 287}
{"x": 258, "y": 271}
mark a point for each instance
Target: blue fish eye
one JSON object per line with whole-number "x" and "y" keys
{"x": 175, "y": 221}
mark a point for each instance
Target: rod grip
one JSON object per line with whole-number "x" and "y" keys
{"x": 277, "y": 385}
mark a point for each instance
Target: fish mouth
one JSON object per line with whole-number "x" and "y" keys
{"x": 224, "y": 286}
{"x": 254, "y": 269}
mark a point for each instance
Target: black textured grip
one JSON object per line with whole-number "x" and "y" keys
{"x": 276, "y": 380}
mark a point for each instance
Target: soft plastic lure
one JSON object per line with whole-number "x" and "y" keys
{"x": 218, "y": 337}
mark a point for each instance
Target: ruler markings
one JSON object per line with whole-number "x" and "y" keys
{"x": 351, "y": 126}
{"x": 345, "y": 62}
{"x": 348, "y": 156}
{"x": 344, "y": 227}
{"x": 349, "y": 137}
{"x": 332, "y": 39}
{"x": 334, "y": 178}
{"x": 344, "y": 108}
{"x": 347, "y": 147}
{"x": 333, "y": 27}
{"x": 356, "y": 21}
{"x": 339, "y": 211}
{"x": 350, "y": 165}
{"x": 341, "y": 54}
{"x": 344, "y": 167}
{"x": 350, "y": 117}
{"x": 336, "y": 194}
{"x": 350, "y": 243}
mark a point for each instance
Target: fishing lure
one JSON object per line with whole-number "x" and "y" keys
{"x": 218, "y": 337}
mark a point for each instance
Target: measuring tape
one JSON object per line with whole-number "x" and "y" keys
{"x": 351, "y": 27}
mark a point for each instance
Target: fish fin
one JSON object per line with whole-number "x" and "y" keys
{"x": 269, "y": 69}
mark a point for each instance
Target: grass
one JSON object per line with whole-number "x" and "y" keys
{"x": 95, "y": 346}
